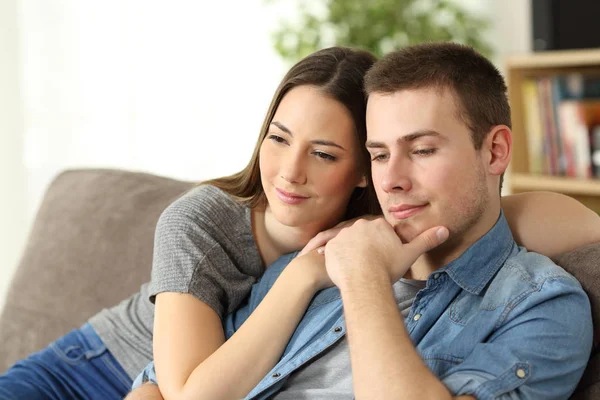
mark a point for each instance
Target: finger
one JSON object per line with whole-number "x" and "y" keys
{"x": 321, "y": 250}
{"x": 427, "y": 240}
{"x": 320, "y": 240}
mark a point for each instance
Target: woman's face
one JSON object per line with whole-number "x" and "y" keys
{"x": 309, "y": 160}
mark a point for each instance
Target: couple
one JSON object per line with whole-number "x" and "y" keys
{"x": 433, "y": 300}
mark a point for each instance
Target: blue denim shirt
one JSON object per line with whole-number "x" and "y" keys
{"x": 498, "y": 322}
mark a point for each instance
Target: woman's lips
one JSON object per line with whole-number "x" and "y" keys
{"x": 290, "y": 198}
{"x": 404, "y": 211}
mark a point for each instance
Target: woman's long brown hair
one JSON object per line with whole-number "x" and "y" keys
{"x": 338, "y": 72}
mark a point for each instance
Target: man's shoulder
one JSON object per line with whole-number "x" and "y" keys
{"x": 525, "y": 273}
{"x": 534, "y": 267}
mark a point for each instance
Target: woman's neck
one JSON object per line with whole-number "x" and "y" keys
{"x": 274, "y": 239}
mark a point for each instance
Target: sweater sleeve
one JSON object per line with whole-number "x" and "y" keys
{"x": 198, "y": 250}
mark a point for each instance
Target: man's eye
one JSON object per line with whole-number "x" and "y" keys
{"x": 325, "y": 156}
{"x": 276, "y": 138}
{"x": 424, "y": 152}
{"x": 379, "y": 157}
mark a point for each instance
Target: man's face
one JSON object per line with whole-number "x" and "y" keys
{"x": 425, "y": 168}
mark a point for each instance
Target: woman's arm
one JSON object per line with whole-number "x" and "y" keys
{"x": 252, "y": 351}
{"x": 550, "y": 223}
{"x": 186, "y": 332}
{"x": 204, "y": 264}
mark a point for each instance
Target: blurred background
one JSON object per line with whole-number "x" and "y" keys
{"x": 180, "y": 88}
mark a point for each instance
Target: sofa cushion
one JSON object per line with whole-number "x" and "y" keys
{"x": 89, "y": 247}
{"x": 583, "y": 263}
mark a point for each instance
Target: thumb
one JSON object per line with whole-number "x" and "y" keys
{"x": 427, "y": 240}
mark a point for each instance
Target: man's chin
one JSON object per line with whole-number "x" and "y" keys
{"x": 406, "y": 230}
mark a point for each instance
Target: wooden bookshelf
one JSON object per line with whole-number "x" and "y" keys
{"x": 518, "y": 70}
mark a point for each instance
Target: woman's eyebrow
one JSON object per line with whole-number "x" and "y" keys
{"x": 327, "y": 143}
{"x": 321, "y": 142}
{"x": 282, "y": 127}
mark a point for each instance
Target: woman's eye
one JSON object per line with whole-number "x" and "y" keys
{"x": 276, "y": 138}
{"x": 325, "y": 156}
{"x": 424, "y": 152}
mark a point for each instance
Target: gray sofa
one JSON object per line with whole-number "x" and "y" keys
{"x": 91, "y": 247}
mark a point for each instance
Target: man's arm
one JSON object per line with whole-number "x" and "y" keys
{"x": 539, "y": 351}
{"x": 384, "y": 362}
{"x": 363, "y": 261}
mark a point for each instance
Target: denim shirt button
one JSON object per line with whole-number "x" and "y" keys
{"x": 521, "y": 373}
{"x": 435, "y": 276}
{"x": 276, "y": 375}
{"x": 417, "y": 317}
{"x": 337, "y": 329}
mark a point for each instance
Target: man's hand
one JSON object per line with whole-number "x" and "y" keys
{"x": 371, "y": 247}
{"x": 321, "y": 239}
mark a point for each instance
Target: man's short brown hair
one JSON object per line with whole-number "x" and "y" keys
{"x": 475, "y": 82}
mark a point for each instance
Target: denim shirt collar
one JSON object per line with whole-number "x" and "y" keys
{"x": 474, "y": 269}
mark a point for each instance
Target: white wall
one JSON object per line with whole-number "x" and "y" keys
{"x": 511, "y": 32}
{"x": 178, "y": 90}
{"x": 13, "y": 224}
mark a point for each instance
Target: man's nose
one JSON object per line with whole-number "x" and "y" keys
{"x": 396, "y": 176}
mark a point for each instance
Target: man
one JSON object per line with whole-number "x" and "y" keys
{"x": 493, "y": 320}
{"x": 476, "y": 317}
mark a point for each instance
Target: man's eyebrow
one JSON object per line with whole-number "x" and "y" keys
{"x": 374, "y": 145}
{"x": 282, "y": 127}
{"x": 405, "y": 139}
{"x": 419, "y": 134}
{"x": 316, "y": 141}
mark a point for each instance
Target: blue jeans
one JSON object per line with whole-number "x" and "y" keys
{"x": 76, "y": 366}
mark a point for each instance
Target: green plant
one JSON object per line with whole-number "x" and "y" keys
{"x": 379, "y": 26}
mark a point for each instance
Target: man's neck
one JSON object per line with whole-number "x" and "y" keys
{"x": 453, "y": 248}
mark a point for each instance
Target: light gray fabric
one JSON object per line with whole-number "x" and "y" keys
{"x": 203, "y": 246}
{"x": 330, "y": 376}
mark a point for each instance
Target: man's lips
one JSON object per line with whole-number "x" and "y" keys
{"x": 403, "y": 211}
{"x": 289, "y": 197}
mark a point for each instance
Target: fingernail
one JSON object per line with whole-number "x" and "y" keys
{"x": 442, "y": 234}
{"x": 321, "y": 250}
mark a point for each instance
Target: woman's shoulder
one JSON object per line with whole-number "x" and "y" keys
{"x": 206, "y": 206}
{"x": 208, "y": 200}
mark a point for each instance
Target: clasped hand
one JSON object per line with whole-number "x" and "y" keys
{"x": 370, "y": 247}
{"x": 361, "y": 247}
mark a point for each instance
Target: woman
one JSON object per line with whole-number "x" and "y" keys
{"x": 212, "y": 244}
{"x": 307, "y": 173}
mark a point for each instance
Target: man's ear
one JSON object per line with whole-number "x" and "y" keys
{"x": 498, "y": 148}
{"x": 363, "y": 182}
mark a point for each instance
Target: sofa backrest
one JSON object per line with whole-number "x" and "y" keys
{"x": 89, "y": 247}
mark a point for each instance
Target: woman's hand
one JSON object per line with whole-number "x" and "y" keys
{"x": 311, "y": 267}
{"x": 321, "y": 239}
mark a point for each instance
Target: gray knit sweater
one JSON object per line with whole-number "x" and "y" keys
{"x": 204, "y": 246}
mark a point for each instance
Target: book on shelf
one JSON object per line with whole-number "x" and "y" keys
{"x": 595, "y": 144}
{"x": 560, "y": 112}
